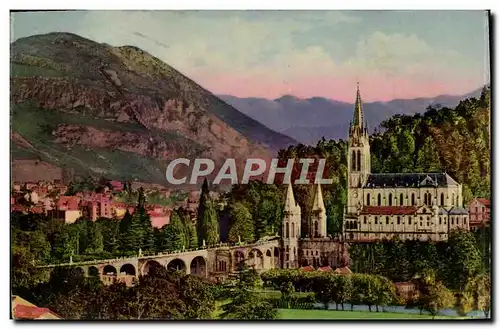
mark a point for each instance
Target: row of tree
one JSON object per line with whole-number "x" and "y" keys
{"x": 375, "y": 290}
{"x": 453, "y": 262}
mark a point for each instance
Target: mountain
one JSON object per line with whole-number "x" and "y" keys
{"x": 307, "y": 120}
{"x": 119, "y": 112}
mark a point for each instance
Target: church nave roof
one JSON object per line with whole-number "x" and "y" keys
{"x": 410, "y": 180}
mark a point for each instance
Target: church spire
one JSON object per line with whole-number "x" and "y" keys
{"x": 358, "y": 119}
{"x": 290, "y": 204}
{"x": 318, "y": 203}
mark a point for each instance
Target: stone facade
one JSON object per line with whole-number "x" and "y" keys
{"x": 316, "y": 248}
{"x": 411, "y": 205}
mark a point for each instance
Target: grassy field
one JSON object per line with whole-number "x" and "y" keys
{"x": 285, "y": 314}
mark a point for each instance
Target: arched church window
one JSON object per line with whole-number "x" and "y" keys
{"x": 379, "y": 200}
{"x": 359, "y": 160}
{"x": 376, "y": 220}
{"x": 453, "y": 199}
{"x": 413, "y": 199}
{"x": 293, "y": 231}
{"x": 442, "y": 199}
{"x": 387, "y": 220}
{"x": 401, "y": 199}
{"x": 353, "y": 161}
{"x": 427, "y": 199}
{"x": 316, "y": 229}
{"x": 287, "y": 228}
{"x": 368, "y": 199}
{"x": 390, "y": 199}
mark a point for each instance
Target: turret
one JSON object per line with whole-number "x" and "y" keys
{"x": 318, "y": 214}
{"x": 291, "y": 230}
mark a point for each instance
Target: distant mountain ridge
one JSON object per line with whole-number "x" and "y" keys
{"x": 307, "y": 120}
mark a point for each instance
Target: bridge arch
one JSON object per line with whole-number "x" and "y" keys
{"x": 78, "y": 271}
{"x": 93, "y": 271}
{"x": 256, "y": 259}
{"x": 198, "y": 266}
{"x": 176, "y": 264}
{"x": 268, "y": 259}
{"x": 277, "y": 257}
{"x": 149, "y": 265}
{"x": 128, "y": 269}
{"x": 239, "y": 258}
{"x": 109, "y": 270}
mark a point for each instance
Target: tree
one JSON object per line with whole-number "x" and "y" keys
{"x": 207, "y": 221}
{"x": 479, "y": 288}
{"x": 210, "y": 225}
{"x": 131, "y": 236}
{"x": 175, "y": 234}
{"x": 242, "y": 227}
{"x": 245, "y": 304}
{"x": 464, "y": 303}
{"x": 110, "y": 234}
{"x": 286, "y": 292}
{"x": 464, "y": 260}
{"x": 437, "y": 298}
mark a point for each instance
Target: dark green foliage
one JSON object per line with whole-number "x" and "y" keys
{"x": 263, "y": 202}
{"x": 464, "y": 259}
{"x": 157, "y": 296}
{"x": 453, "y": 262}
{"x": 456, "y": 141}
{"x": 245, "y": 303}
{"x": 335, "y": 194}
{"x": 242, "y": 227}
{"x": 175, "y": 234}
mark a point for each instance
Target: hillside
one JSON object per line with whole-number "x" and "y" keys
{"x": 119, "y": 112}
{"x": 307, "y": 120}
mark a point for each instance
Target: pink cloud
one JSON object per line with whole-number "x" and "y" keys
{"x": 374, "y": 87}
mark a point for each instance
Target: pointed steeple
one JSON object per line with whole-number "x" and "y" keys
{"x": 318, "y": 203}
{"x": 290, "y": 203}
{"x": 358, "y": 119}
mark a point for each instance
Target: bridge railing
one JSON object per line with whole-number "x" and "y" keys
{"x": 149, "y": 255}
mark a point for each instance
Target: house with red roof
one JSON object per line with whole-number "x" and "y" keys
{"x": 68, "y": 208}
{"x": 343, "y": 270}
{"x": 325, "y": 269}
{"x": 479, "y": 213}
{"x": 116, "y": 185}
{"x": 24, "y": 310}
{"x": 308, "y": 268}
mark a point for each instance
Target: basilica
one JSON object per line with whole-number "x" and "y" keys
{"x": 420, "y": 206}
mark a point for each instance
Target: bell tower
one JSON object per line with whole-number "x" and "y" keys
{"x": 358, "y": 158}
{"x": 291, "y": 230}
{"x": 318, "y": 215}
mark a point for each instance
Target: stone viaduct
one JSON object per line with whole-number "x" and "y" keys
{"x": 215, "y": 262}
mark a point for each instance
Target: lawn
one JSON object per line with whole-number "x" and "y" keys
{"x": 292, "y": 314}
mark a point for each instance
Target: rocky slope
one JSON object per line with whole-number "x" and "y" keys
{"x": 120, "y": 112}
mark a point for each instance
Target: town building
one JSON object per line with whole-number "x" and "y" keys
{"x": 479, "y": 213}
{"x": 410, "y": 205}
{"x": 24, "y": 310}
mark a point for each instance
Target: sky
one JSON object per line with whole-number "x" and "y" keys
{"x": 392, "y": 54}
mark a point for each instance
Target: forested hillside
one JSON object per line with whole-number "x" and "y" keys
{"x": 456, "y": 141}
